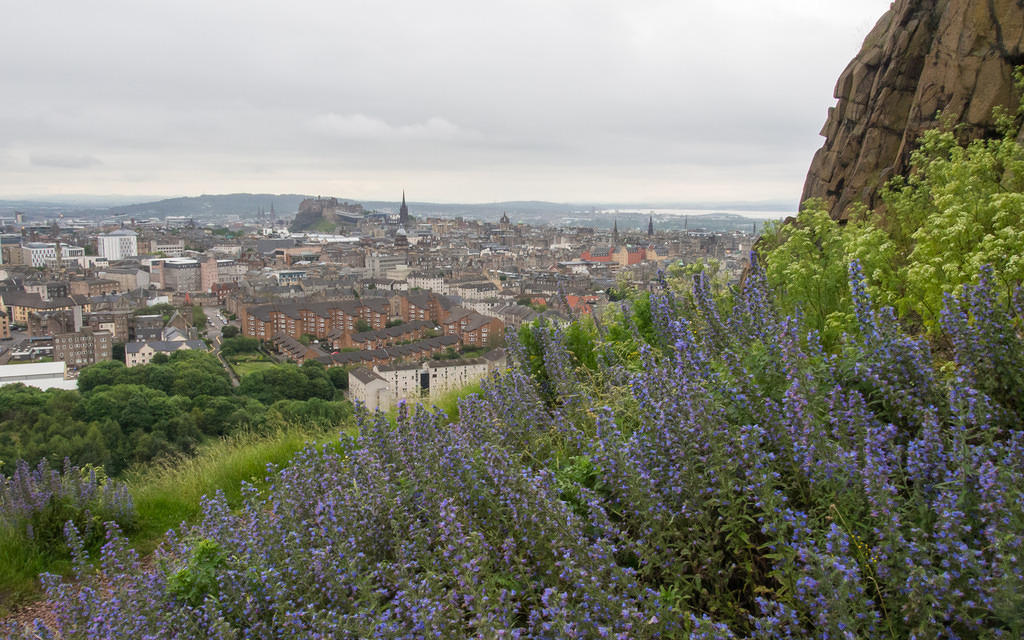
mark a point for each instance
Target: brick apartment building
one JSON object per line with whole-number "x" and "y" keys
{"x": 472, "y": 328}
{"x": 318, "y": 319}
{"x": 82, "y": 349}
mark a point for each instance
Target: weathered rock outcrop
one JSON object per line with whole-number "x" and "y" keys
{"x": 923, "y": 56}
{"x": 314, "y": 210}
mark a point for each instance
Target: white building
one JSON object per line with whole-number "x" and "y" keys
{"x": 42, "y": 254}
{"x": 141, "y": 353}
{"x": 118, "y": 245}
{"x": 42, "y": 375}
{"x": 382, "y": 387}
{"x": 369, "y": 388}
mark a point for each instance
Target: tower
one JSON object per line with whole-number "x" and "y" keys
{"x": 615, "y": 234}
{"x": 403, "y": 213}
{"x": 650, "y": 227}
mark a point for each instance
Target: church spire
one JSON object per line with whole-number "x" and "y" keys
{"x": 615, "y": 233}
{"x": 403, "y": 212}
{"x": 650, "y": 226}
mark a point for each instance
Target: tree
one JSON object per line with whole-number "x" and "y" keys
{"x": 239, "y": 344}
{"x": 338, "y": 377}
{"x": 102, "y": 373}
{"x": 229, "y": 331}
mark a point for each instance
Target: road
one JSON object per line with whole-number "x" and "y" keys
{"x": 215, "y": 323}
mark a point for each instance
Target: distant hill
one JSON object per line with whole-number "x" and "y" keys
{"x": 245, "y": 205}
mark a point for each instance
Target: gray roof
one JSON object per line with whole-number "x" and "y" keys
{"x": 163, "y": 346}
{"x": 364, "y": 375}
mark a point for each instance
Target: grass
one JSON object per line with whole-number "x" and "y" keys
{"x": 243, "y": 365}
{"x": 169, "y": 493}
{"x": 19, "y": 570}
{"x": 324, "y": 226}
{"x": 166, "y": 494}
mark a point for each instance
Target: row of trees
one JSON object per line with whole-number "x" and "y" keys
{"x": 121, "y": 416}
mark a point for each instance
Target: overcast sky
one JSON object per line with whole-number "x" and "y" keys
{"x": 562, "y": 100}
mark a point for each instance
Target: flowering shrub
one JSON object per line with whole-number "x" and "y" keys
{"x": 735, "y": 480}
{"x": 36, "y": 503}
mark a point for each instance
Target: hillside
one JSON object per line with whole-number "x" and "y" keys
{"x": 677, "y": 471}
{"x": 207, "y": 206}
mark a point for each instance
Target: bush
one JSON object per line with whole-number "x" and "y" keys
{"x": 36, "y": 504}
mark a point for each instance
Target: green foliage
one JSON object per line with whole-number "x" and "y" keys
{"x": 338, "y": 377}
{"x": 961, "y": 209}
{"x": 124, "y": 417}
{"x": 958, "y": 210}
{"x": 229, "y": 331}
{"x": 362, "y": 325}
{"x": 198, "y": 316}
{"x": 239, "y": 344}
{"x": 287, "y": 382}
{"x": 198, "y": 578}
{"x": 807, "y": 269}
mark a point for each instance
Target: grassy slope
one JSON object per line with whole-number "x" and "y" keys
{"x": 165, "y": 495}
{"x": 168, "y": 494}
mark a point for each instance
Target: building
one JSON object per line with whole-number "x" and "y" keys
{"x": 44, "y": 254}
{"x": 367, "y": 387}
{"x": 118, "y": 245}
{"x": 83, "y": 348}
{"x": 472, "y": 328}
{"x": 48, "y": 290}
{"x": 127, "y": 278}
{"x": 414, "y": 307}
{"x": 381, "y": 388}
{"x": 19, "y": 305}
{"x": 378, "y": 264}
{"x": 318, "y": 319}
{"x": 41, "y": 375}
{"x": 403, "y": 213}
{"x": 141, "y": 353}
{"x": 168, "y": 248}
{"x": 147, "y": 327}
{"x": 95, "y": 287}
{"x": 178, "y": 274}
{"x": 223, "y": 271}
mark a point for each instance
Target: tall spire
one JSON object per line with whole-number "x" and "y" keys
{"x": 403, "y": 212}
{"x": 615, "y": 233}
{"x": 650, "y": 226}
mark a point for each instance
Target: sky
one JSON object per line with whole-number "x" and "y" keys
{"x": 452, "y": 101}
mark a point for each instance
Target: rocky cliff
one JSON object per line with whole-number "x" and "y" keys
{"x": 923, "y": 56}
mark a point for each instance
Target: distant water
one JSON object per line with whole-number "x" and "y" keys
{"x": 746, "y": 213}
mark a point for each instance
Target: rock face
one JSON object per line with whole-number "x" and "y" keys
{"x": 923, "y": 56}
{"x": 313, "y": 210}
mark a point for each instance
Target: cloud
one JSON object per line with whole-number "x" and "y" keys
{"x": 64, "y": 160}
{"x": 358, "y": 126}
